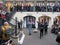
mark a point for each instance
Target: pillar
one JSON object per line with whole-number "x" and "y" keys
{"x": 46, "y": 4}
{"x": 13, "y": 4}
{"x": 56, "y": 2}
{"x": 34, "y": 5}
{"x": 36, "y": 22}
{"x": 24, "y": 2}
{"x": 51, "y": 22}
{"x": 16, "y": 27}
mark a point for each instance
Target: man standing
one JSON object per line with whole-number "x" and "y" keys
{"x": 41, "y": 27}
{"x": 30, "y": 26}
{"x": 45, "y": 26}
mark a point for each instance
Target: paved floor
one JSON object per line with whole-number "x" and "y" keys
{"x": 34, "y": 39}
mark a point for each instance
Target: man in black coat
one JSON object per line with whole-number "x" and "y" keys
{"x": 41, "y": 28}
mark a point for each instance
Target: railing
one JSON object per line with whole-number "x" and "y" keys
{"x": 19, "y": 35}
{"x": 14, "y": 23}
{"x": 38, "y": 9}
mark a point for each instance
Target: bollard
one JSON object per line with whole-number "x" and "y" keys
{"x": 16, "y": 27}
{"x": 21, "y": 25}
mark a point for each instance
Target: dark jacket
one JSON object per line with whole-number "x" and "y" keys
{"x": 45, "y": 25}
{"x": 41, "y": 25}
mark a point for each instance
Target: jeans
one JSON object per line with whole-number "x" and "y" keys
{"x": 30, "y": 29}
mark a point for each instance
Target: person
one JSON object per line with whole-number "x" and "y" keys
{"x": 5, "y": 36}
{"x": 46, "y": 26}
{"x": 3, "y": 14}
{"x": 30, "y": 26}
{"x": 53, "y": 29}
{"x": 33, "y": 24}
{"x": 56, "y": 29}
{"x": 20, "y": 25}
{"x": 41, "y": 27}
{"x": 59, "y": 29}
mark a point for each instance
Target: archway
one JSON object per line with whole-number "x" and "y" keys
{"x": 58, "y": 19}
{"x": 45, "y": 18}
{"x": 27, "y": 18}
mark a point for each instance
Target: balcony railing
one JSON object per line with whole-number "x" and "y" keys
{"x": 37, "y": 9}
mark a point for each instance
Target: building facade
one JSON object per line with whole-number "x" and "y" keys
{"x": 36, "y": 16}
{"x": 50, "y": 16}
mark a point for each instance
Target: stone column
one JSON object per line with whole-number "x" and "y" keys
{"x": 34, "y": 5}
{"x": 46, "y": 4}
{"x": 51, "y": 22}
{"x": 13, "y": 4}
{"x": 36, "y": 22}
{"x": 56, "y": 2}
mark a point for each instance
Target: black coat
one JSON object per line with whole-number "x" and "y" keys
{"x": 45, "y": 25}
{"x": 41, "y": 26}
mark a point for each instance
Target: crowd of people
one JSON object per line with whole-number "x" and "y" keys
{"x": 43, "y": 8}
{"x": 56, "y": 30}
{"x": 42, "y": 24}
{"x": 55, "y": 27}
{"x": 4, "y": 28}
{"x": 48, "y": 8}
{"x": 42, "y": 27}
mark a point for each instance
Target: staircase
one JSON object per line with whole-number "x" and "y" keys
{"x": 19, "y": 38}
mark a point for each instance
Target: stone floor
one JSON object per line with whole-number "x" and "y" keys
{"x": 34, "y": 39}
